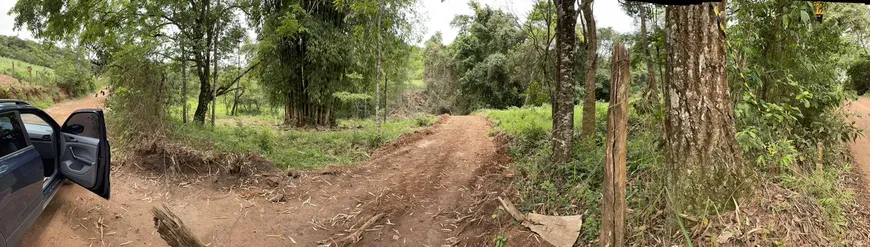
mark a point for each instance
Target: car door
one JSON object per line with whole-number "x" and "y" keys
{"x": 85, "y": 157}
{"x": 21, "y": 176}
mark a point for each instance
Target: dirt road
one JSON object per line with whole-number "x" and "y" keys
{"x": 861, "y": 147}
{"x": 433, "y": 188}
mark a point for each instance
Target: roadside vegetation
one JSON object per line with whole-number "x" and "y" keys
{"x": 757, "y": 134}
{"x": 43, "y": 73}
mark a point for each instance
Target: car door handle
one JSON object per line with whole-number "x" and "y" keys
{"x": 81, "y": 159}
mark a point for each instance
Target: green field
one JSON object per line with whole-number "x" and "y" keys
{"x": 40, "y": 75}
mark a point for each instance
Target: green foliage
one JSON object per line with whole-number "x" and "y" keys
{"x": 481, "y": 49}
{"x": 309, "y": 71}
{"x": 787, "y": 90}
{"x": 31, "y": 52}
{"x": 138, "y": 102}
{"x": 352, "y": 142}
{"x": 75, "y": 79}
{"x": 859, "y": 76}
{"x": 573, "y": 188}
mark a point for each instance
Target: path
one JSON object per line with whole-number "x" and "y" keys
{"x": 430, "y": 186}
{"x": 861, "y": 147}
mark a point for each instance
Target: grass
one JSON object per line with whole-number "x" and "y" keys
{"x": 417, "y": 83}
{"x": 351, "y": 142}
{"x": 572, "y": 188}
{"x": 41, "y": 75}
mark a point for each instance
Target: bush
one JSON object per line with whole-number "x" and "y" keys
{"x": 859, "y": 76}
{"x": 138, "y": 103}
{"x": 75, "y": 79}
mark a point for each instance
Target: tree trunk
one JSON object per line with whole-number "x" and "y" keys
{"x": 563, "y": 102}
{"x": 380, "y": 71}
{"x": 588, "y": 125}
{"x": 651, "y": 93}
{"x": 204, "y": 98}
{"x": 704, "y": 163}
{"x": 183, "y": 84}
{"x": 613, "y": 218}
{"x": 215, "y": 60}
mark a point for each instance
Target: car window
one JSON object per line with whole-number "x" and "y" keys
{"x": 89, "y": 123}
{"x": 33, "y": 119}
{"x": 12, "y": 137}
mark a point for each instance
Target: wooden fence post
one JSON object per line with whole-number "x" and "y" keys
{"x": 613, "y": 220}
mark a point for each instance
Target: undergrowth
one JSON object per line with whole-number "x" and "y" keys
{"x": 352, "y": 141}
{"x": 574, "y": 187}
{"x": 809, "y": 161}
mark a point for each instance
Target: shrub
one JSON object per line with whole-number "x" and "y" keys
{"x": 75, "y": 79}
{"x": 859, "y": 76}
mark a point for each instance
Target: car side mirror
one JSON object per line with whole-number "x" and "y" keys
{"x": 74, "y": 129}
{"x": 86, "y": 123}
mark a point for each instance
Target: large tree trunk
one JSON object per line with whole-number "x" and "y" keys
{"x": 651, "y": 93}
{"x": 588, "y": 125}
{"x": 703, "y": 160}
{"x": 563, "y": 101}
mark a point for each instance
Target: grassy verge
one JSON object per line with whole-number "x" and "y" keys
{"x": 351, "y": 142}
{"x": 574, "y": 188}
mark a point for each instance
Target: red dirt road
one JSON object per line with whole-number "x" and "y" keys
{"x": 431, "y": 187}
{"x": 861, "y": 147}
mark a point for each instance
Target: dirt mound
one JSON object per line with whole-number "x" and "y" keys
{"x": 178, "y": 159}
{"x": 14, "y": 89}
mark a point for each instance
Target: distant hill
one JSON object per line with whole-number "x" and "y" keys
{"x": 34, "y": 53}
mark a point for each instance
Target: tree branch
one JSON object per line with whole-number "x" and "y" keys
{"x": 225, "y": 89}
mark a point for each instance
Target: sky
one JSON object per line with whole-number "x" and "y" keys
{"x": 608, "y": 13}
{"x": 8, "y": 22}
{"x": 437, "y": 16}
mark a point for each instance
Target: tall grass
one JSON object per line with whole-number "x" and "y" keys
{"x": 573, "y": 188}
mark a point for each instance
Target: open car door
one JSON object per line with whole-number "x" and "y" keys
{"x": 84, "y": 151}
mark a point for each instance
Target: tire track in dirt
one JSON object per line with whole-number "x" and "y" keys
{"x": 427, "y": 184}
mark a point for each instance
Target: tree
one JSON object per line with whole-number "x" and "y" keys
{"x": 563, "y": 101}
{"x": 587, "y": 128}
{"x": 481, "y": 53}
{"x": 859, "y": 76}
{"x": 307, "y": 66}
{"x": 704, "y": 163}
{"x": 651, "y": 92}
{"x": 105, "y": 26}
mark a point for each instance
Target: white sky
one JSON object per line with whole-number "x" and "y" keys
{"x": 8, "y": 22}
{"x": 437, "y": 16}
{"x": 608, "y": 13}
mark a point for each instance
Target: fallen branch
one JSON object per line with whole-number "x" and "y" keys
{"x": 172, "y": 230}
{"x": 356, "y": 235}
{"x": 508, "y": 206}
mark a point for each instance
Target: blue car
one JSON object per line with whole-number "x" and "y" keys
{"x": 37, "y": 155}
